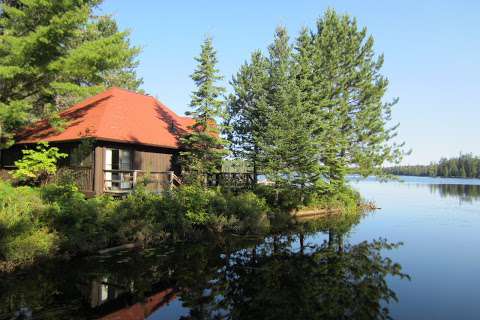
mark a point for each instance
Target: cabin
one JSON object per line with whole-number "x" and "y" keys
{"x": 113, "y": 140}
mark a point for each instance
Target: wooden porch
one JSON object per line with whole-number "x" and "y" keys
{"x": 122, "y": 182}
{"x": 119, "y": 182}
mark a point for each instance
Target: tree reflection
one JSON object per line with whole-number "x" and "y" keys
{"x": 289, "y": 277}
{"x": 464, "y": 192}
{"x": 310, "y": 272}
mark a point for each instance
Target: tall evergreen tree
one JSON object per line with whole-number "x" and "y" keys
{"x": 248, "y": 111}
{"x": 354, "y": 117}
{"x": 289, "y": 144}
{"x": 54, "y": 53}
{"x": 322, "y": 107}
{"x": 204, "y": 147}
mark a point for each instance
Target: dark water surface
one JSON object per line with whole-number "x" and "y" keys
{"x": 415, "y": 258}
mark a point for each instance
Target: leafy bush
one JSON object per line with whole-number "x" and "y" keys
{"x": 80, "y": 222}
{"x": 285, "y": 200}
{"x": 281, "y": 199}
{"x": 250, "y": 210}
{"x": 346, "y": 199}
{"x": 186, "y": 208}
{"x": 29, "y": 245}
{"x": 136, "y": 218}
{"x": 37, "y": 222}
{"x": 23, "y": 238}
{"x": 37, "y": 165}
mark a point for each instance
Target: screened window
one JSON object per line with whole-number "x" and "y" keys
{"x": 118, "y": 169}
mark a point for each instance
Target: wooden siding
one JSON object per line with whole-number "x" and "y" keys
{"x": 99, "y": 163}
{"x": 145, "y": 159}
{"x": 152, "y": 161}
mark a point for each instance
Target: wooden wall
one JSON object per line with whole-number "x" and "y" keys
{"x": 82, "y": 172}
{"x": 145, "y": 158}
{"x": 99, "y": 163}
{"x": 152, "y": 161}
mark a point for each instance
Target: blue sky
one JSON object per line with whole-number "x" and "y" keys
{"x": 431, "y": 48}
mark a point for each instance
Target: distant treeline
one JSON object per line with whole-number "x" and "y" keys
{"x": 464, "y": 166}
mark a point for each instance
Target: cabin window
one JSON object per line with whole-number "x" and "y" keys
{"x": 82, "y": 154}
{"x": 118, "y": 169}
{"x": 9, "y": 156}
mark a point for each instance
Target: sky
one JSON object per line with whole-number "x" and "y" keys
{"x": 431, "y": 48}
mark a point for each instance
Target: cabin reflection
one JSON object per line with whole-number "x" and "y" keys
{"x": 102, "y": 292}
{"x": 111, "y": 301}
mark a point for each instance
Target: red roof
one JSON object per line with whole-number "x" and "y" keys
{"x": 114, "y": 115}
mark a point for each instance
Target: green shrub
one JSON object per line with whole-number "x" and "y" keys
{"x": 250, "y": 211}
{"x": 192, "y": 202}
{"x": 79, "y": 222}
{"x": 27, "y": 246}
{"x": 220, "y": 223}
{"x": 285, "y": 200}
{"x": 23, "y": 237}
{"x": 346, "y": 199}
{"x": 136, "y": 218}
{"x": 37, "y": 222}
{"x": 281, "y": 199}
{"x": 37, "y": 165}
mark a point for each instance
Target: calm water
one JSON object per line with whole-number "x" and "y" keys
{"x": 415, "y": 258}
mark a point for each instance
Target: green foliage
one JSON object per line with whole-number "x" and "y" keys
{"x": 217, "y": 210}
{"x": 310, "y": 111}
{"x": 81, "y": 223}
{"x": 55, "y": 53}
{"x": 250, "y": 210}
{"x": 247, "y": 110}
{"x": 345, "y": 199}
{"x": 203, "y": 147}
{"x": 22, "y": 236}
{"x": 38, "y": 164}
{"x": 236, "y": 166}
{"x": 463, "y": 166}
{"x": 134, "y": 219}
{"x": 36, "y": 222}
{"x": 284, "y": 200}
{"x": 281, "y": 199}
{"x": 25, "y": 247}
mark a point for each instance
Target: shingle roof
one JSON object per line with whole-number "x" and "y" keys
{"x": 114, "y": 115}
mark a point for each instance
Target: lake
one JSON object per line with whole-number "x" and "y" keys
{"x": 414, "y": 258}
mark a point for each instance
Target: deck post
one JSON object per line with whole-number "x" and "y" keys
{"x": 134, "y": 179}
{"x": 170, "y": 180}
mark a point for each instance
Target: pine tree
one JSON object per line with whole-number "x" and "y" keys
{"x": 204, "y": 147}
{"x": 55, "y": 53}
{"x": 247, "y": 110}
{"x": 289, "y": 144}
{"x": 351, "y": 91}
{"x": 318, "y": 109}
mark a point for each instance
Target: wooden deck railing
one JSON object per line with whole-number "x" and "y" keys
{"x": 231, "y": 180}
{"x": 82, "y": 176}
{"x": 123, "y": 181}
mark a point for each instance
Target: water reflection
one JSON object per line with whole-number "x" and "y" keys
{"x": 289, "y": 275}
{"x": 463, "y": 192}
